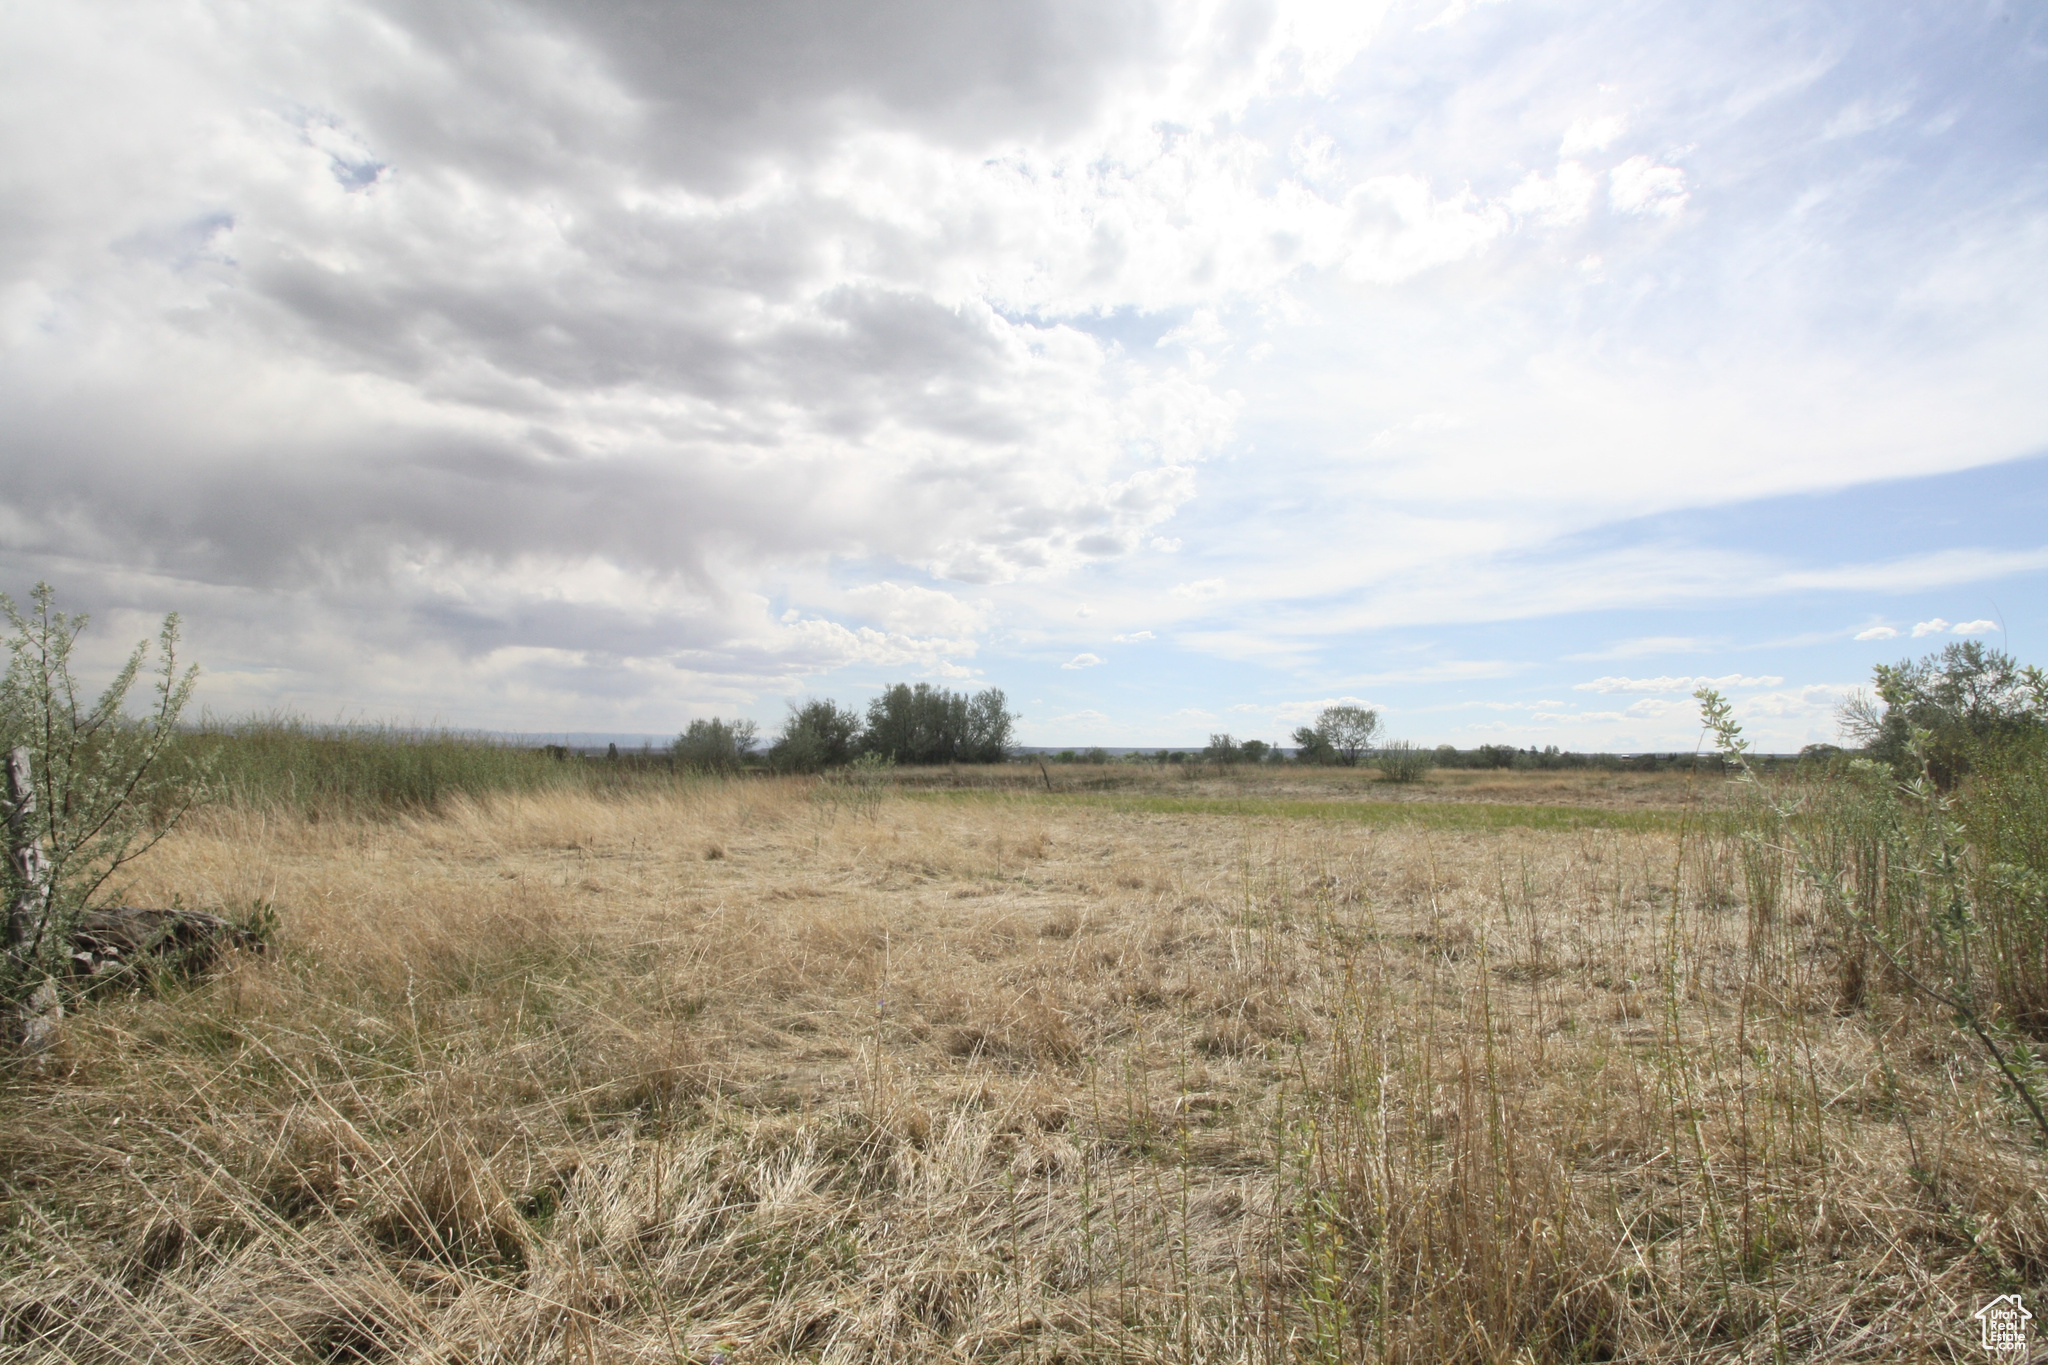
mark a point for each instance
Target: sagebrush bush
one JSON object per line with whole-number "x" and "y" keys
{"x": 105, "y": 786}
{"x": 1403, "y": 762}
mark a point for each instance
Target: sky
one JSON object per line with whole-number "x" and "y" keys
{"x": 1511, "y": 367}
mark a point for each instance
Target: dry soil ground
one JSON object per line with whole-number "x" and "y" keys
{"x": 778, "y": 1069}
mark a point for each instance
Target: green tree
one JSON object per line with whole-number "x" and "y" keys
{"x": 819, "y": 734}
{"x": 927, "y": 724}
{"x": 106, "y": 786}
{"x": 1935, "y": 714}
{"x": 715, "y": 746}
{"x": 1341, "y": 734}
{"x": 1222, "y": 749}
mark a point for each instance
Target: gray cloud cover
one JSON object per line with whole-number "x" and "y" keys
{"x": 544, "y": 364}
{"x": 551, "y": 326}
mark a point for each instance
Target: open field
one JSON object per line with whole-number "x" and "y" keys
{"x": 1182, "y": 1070}
{"x": 1582, "y": 787}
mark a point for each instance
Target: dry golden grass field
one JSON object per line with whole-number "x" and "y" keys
{"x": 1526, "y": 1067}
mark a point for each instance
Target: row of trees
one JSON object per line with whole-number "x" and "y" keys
{"x": 904, "y": 724}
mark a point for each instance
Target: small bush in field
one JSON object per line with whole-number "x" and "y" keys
{"x": 818, "y": 735}
{"x": 1401, "y": 761}
{"x": 106, "y": 786}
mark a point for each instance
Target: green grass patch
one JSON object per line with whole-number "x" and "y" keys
{"x": 326, "y": 771}
{"x": 1425, "y": 814}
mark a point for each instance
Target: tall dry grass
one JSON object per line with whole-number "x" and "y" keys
{"x": 768, "y": 1070}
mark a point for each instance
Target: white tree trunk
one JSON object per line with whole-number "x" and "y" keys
{"x": 28, "y": 919}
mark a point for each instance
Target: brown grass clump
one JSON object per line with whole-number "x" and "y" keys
{"x": 543, "y": 1077}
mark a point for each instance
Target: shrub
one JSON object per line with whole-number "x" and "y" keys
{"x": 715, "y": 746}
{"x": 1400, "y": 761}
{"x": 1961, "y": 700}
{"x": 1946, "y": 892}
{"x": 819, "y": 734}
{"x": 106, "y": 787}
{"x": 1222, "y": 749}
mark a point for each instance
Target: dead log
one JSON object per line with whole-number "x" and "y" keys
{"x": 127, "y": 935}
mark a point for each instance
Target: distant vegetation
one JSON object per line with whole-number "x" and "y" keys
{"x": 905, "y": 724}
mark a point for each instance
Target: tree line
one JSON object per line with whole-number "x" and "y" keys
{"x": 919, "y": 724}
{"x": 1929, "y": 716}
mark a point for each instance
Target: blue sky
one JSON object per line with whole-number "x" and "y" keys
{"x": 1177, "y": 367}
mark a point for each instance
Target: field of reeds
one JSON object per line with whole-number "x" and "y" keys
{"x": 783, "y": 1068}
{"x": 284, "y": 765}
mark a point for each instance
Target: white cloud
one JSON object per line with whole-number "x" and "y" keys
{"x": 1082, "y": 661}
{"x": 1816, "y": 702}
{"x": 1935, "y": 627}
{"x": 1863, "y": 116}
{"x": 1669, "y": 684}
{"x": 1594, "y": 134}
{"x": 1556, "y": 200}
{"x": 1878, "y": 633}
{"x": 1299, "y": 711}
{"x": 1133, "y": 637}
{"x": 1640, "y": 185}
{"x": 1975, "y": 628}
{"x": 1164, "y": 545}
{"x": 1453, "y": 12}
{"x": 1648, "y": 645}
{"x": 908, "y": 607}
{"x": 1201, "y": 590}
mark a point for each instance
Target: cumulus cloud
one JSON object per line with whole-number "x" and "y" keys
{"x": 1975, "y": 628}
{"x": 1133, "y": 637}
{"x": 451, "y": 312}
{"x": 1935, "y": 627}
{"x": 1669, "y": 684}
{"x": 1815, "y": 702}
{"x": 1082, "y": 661}
{"x": 1878, "y": 633}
